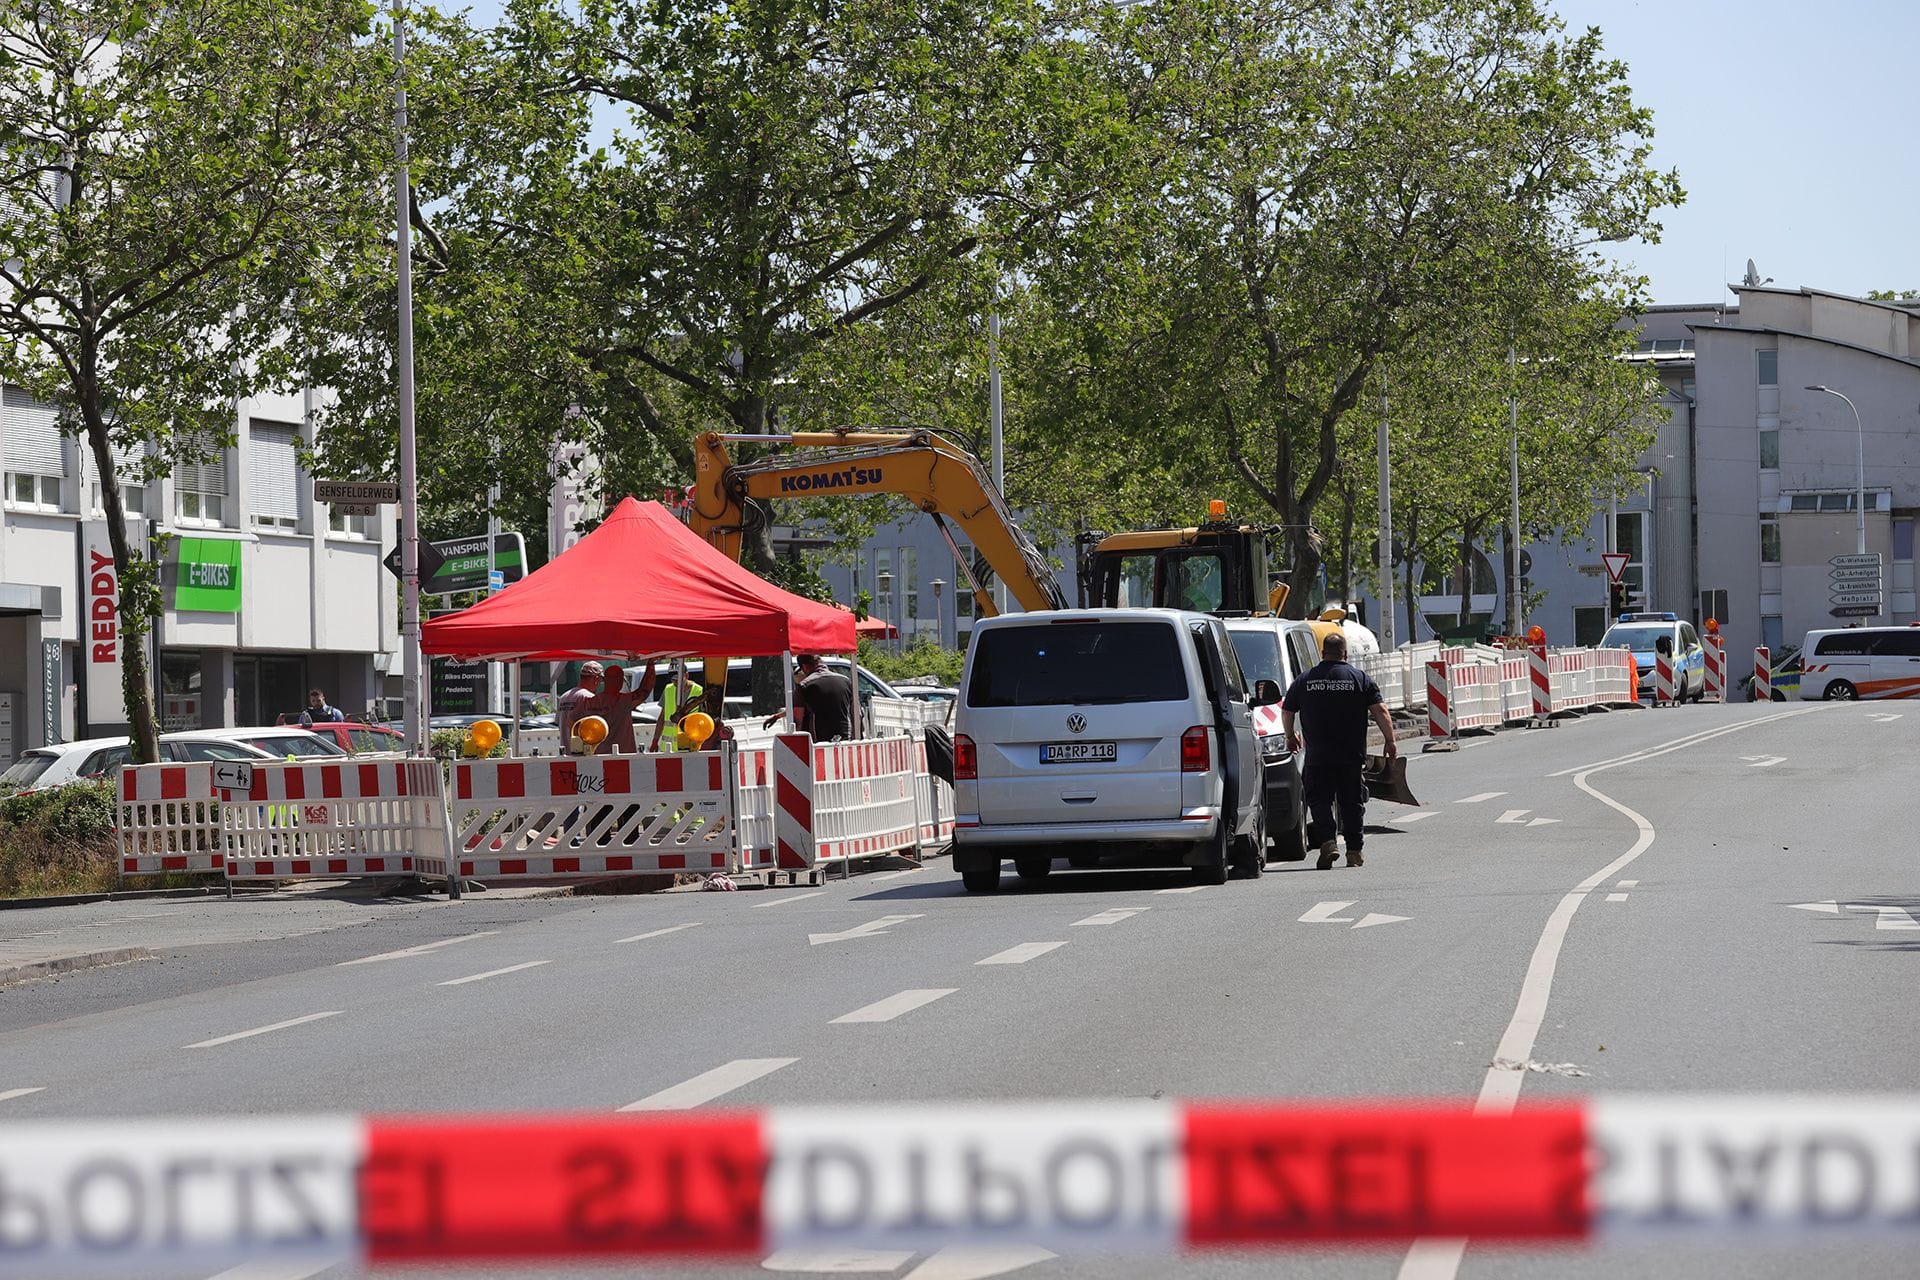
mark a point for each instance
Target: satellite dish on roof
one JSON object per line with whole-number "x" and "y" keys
{"x": 1753, "y": 280}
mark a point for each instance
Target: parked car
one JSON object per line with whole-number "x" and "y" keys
{"x": 1095, "y": 731}
{"x": 1645, "y": 634}
{"x": 1279, "y": 650}
{"x": 1786, "y": 675}
{"x": 55, "y": 766}
{"x": 279, "y": 741}
{"x": 1860, "y": 662}
{"x": 360, "y": 739}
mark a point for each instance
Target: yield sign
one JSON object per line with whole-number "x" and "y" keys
{"x": 1616, "y": 562}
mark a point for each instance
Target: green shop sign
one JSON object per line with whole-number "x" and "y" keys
{"x": 206, "y": 575}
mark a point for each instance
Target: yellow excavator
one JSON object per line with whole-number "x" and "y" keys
{"x": 1218, "y": 566}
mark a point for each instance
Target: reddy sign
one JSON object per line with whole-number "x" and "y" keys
{"x": 100, "y": 635}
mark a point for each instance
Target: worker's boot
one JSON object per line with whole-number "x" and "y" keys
{"x": 1329, "y": 850}
{"x": 1353, "y": 856}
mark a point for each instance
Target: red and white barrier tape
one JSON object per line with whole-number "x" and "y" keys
{"x": 109, "y": 1197}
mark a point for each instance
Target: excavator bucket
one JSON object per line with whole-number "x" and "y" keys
{"x": 1387, "y": 780}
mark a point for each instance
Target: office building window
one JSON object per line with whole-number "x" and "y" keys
{"x": 1769, "y": 541}
{"x": 1630, "y": 537}
{"x": 273, "y": 471}
{"x": 345, "y": 526}
{"x": 963, "y": 602}
{"x": 127, "y": 462}
{"x": 910, "y": 588}
{"x": 1772, "y": 633}
{"x": 200, "y": 489}
{"x": 1713, "y": 604}
{"x": 1769, "y": 448}
{"x": 1903, "y": 539}
{"x": 35, "y": 461}
{"x": 883, "y": 585}
{"x": 1769, "y": 368}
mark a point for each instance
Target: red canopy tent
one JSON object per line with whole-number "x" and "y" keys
{"x": 875, "y": 629}
{"x": 641, "y": 585}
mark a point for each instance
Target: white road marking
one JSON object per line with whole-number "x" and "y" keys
{"x": 1481, "y": 798}
{"x": 1626, "y": 884}
{"x": 709, "y": 1085}
{"x": 1373, "y": 918}
{"x": 1185, "y": 888}
{"x": 420, "y": 950}
{"x": 1439, "y": 1259}
{"x": 1616, "y": 897}
{"x": 658, "y": 933}
{"x": 1515, "y": 816}
{"x": 797, "y": 897}
{"x": 1021, "y": 954}
{"x": 8, "y": 1095}
{"x": 838, "y": 1262}
{"x": 1542, "y": 822}
{"x": 1415, "y": 816}
{"x": 1763, "y": 762}
{"x": 979, "y": 1262}
{"x": 1829, "y": 907}
{"x": 491, "y": 973}
{"x": 260, "y": 1031}
{"x": 895, "y": 875}
{"x": 1112, "y": 915}
{"x": 871, "y": 929}
{"x": 282, "y": 1269}
{"x": 895, "y": 1005}
{"x": 1886, "y": 717}
{"x": 1323, "y": 913}
{"x": 1890, "y": 917}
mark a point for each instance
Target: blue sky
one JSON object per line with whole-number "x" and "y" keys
{"x": 1791, "y": 123}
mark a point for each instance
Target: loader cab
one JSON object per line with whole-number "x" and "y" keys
{"x": 1217, "y": 567}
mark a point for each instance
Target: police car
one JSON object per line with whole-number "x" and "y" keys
{"x": 1643, "y": 633}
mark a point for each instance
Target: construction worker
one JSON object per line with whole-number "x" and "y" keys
{"x": 1333, "y": 702}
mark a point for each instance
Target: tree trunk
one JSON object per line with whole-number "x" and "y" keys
{"x": 1346, "y": 549}
{"x": 1412, "y": 582}
{"x": 135, "y": 587}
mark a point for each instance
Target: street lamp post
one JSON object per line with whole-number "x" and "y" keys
{"x": 939, "y": 619}
{"x": 1860, "y": 471}
{"x": 1515, "y": 622}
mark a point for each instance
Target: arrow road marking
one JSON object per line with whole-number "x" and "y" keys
{"x": 1890, "y": 917}
{"x": 1542, "y": 822}
{"x": 1829, "y": 907}
{"x": 1763, "y": 762}
{"x": 871, "y": 929}
{"x": 1373, "y": 918}
{"x": 1112, "y": 915}
{"x": 1484, "y": 795}
{"x": 1516, "y": 816}
{"x": 1323, "y": 913}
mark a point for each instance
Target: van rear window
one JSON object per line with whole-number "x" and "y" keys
{"x": 1077, "y": 664}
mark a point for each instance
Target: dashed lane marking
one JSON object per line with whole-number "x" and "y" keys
{"x": 8, "y": 1095}
{"x": 261, "y": 1031}
{"x": 1616, "y": 897}
{"x": 287, "y": 1269}
{"x": 895, "y": 875}
{"x": 1021, "y": 954}
{"x": 1401, "y": 819}
{"x": 1481, "y": 798}
{"x": 1626, "y": 884}
{"x": 895, "y": 1005}
{"x": 491, "y": 973}
{"x": 709, "y": 1085}
{"x": 420, "y": 950}
{"x": 781, "y": 902}
{"x": 1184, "y": 888}
{"x": 1112, "y": 915}
{"x": 658, "y": 933}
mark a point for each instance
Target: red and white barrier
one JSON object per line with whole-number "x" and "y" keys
{"x": 1614, "y": 677}
{"x": 1716, "y": 665}
{"x": 1440, "y": 728}
{"x": 109, "y": 1198}
{"x": 348, "y": 818}
{"x": 1477, "y": 702}
{"x": 1662, "y": 680}
{"x": 1762, "y": 675}
{"x": 169, "y": 820}
{"x": 595, "y": 815}
{"x": 1540, "y": 680}
{"x": 1571, "y": 672}
{"x": 864, "y": 799}
{"x": 754, "y": 767}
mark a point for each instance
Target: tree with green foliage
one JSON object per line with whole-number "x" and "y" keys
{"x": 171, "y": 177}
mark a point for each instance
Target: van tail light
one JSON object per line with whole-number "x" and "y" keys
{"x": 1195, "y": 756}
{"x": 966, "y": 760}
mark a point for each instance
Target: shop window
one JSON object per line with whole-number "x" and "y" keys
{"x": 180, "y": 692}
{"x": 273, "y": 471}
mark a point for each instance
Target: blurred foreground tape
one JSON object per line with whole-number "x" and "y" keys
{"x": 189, "y": 1197}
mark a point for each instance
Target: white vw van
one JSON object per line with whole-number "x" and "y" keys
{"x": 1860, "y": 662}
{"x": 1097, "y": 731}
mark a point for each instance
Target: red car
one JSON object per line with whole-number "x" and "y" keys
{"x": 359, "y": 739}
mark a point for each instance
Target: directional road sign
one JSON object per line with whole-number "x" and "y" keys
{"x": 1855, "y": 573}
{"x": 1854, "y": 610}
{"x": 430, "y": 561}
{"x": 1616, "y": 562}
{"x": 1856, "y": 598}
{"x": 1856, "y": 560}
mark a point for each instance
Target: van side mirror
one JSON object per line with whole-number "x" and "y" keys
{"x": 1266, "y": 693}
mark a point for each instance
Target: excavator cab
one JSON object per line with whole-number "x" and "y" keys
{"x": 1218, "y": 567}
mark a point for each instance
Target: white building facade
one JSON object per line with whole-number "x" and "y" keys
{"x": 265, "y": 593}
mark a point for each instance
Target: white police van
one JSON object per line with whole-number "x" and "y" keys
{"x": 1648, "y": 633}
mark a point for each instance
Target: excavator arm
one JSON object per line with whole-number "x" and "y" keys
{"x": 933, "y": 473}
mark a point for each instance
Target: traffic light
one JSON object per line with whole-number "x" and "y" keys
{"x": 1617, "y": 599}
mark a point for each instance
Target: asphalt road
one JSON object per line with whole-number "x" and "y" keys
{"x": 1718, "y": 894}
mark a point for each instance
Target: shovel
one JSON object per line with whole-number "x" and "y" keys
{"x": 1387, "y": 780}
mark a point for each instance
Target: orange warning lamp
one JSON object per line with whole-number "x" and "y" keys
{"x": 592, "y": 731}
{"x": 1536, "y": 634}
{"x": 1713, "y": 626}
{"x": 696, "y": 728}
{"x": 485, "y": 735}
{"x": 1217, "y": 509}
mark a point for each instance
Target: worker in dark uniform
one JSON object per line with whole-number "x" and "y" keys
{"x": 1332, "y": 703}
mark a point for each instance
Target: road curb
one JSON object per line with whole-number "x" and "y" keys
{"x": 117, "y": 895}
{"x": 27, "y": 972}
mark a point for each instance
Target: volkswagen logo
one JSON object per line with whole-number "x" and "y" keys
{"x": 1076, "y": 723}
